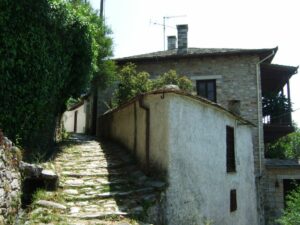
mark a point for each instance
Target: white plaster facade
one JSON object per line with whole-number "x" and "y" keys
{"x": 187, "y": 143}
{"x": 197, "y": 167}
{"x": 68, "y": 119}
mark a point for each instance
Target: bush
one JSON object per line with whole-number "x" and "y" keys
{"x": 132, "y": 83}
{"x": 171, "y": 77}
{"x": 287, "y": 147}
{"x": 291, "y": 215}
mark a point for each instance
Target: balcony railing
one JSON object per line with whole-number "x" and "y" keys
{"x": 284, "y": 119}
{"x": 276, "y": 127}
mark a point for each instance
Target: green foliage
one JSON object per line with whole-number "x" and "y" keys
{"x": 50, "y": 50}
{"x": 72, "y": 101}
{"x": 275, "y": 106}
{"x": 171, "y": 77}
{"x": 287, "y": 147}
{"x": 132, "y": 83}
{"x": 291, "y": 215}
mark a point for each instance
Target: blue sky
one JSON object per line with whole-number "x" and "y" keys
{"x": 212, "y": 24}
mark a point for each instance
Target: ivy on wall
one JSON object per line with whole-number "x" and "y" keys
{"x": 50, "y": 51}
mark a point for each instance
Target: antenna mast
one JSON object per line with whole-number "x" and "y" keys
{"x": 164, "y": 26}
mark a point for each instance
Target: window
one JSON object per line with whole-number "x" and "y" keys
{"x": 233, "y": 201}
{"x": 207, "y": 89}
{"x": 230, "y": 156}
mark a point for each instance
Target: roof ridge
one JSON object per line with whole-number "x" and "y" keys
{"x": 194, "y": 52}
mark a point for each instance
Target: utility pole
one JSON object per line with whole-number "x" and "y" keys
{"x": 101, "y": 9}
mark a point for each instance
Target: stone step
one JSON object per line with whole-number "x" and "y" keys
{"x": 96, "y": 166}
{"x": 92, "y": 182}
{"x": 97, "y": 215}
{"x": 84, "y": 165}
{"x": 103, "y": 215}
{"x": 101, "y": 174}
{"x": 114, "y": 194}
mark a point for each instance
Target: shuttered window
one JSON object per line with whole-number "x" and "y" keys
{"x": 230, "y": 155}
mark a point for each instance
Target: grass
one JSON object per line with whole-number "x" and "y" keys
{"x": 37, "y": 214}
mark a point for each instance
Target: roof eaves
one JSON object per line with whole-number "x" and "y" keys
{"x": 151, "y": 56}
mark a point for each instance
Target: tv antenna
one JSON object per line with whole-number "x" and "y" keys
{"x": 164, "y": 26}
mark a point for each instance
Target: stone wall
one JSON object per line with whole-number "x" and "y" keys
{"x": 128, "y": 125}
{"x": 10, "y": 181}
{"x": 182, "y": 145}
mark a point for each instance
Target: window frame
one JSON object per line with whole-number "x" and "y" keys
{"x": 206, "y": 81}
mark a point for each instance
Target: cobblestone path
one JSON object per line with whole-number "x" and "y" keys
{"x": 101, "y": 184}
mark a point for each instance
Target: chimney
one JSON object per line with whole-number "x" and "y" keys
{"x": 182, "y": 38}
{"x": 171, "y": 42}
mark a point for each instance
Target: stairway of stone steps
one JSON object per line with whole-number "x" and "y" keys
{"x": 101, "y": 183}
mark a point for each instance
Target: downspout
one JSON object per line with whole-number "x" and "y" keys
{"x": 258, "y": 115}
{"x": 147, "y": 110}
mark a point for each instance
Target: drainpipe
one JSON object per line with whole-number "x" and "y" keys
{"x": 258, "y": 115}
{"x": 147, "y": 110}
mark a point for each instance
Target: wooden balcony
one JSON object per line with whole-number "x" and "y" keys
{"x": 277, "y": 128}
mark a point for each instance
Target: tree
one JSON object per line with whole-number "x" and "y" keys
{"x": 276, "y": 106}
{"x": 291, "y": 215}
{"x": 50, "y": 51}
{"x": 132, "y": 83}
{"x": 287, "y": 147}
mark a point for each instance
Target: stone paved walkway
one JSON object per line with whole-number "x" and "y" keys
{"x": 101, "y": 184}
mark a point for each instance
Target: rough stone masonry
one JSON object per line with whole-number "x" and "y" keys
{"x": 10, "y": 181}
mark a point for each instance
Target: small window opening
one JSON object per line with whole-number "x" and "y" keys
{"x": 233, "y": 200}
{"x": 230, "y": 155}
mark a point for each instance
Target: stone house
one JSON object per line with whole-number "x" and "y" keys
{"x": 208, "y": 180}
{"x": 236, "y": 79}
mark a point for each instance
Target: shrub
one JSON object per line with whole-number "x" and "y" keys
{"x": 132, "y": 83}
{"x": 291, "y": 215}
{"x": 287, "y": 147}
